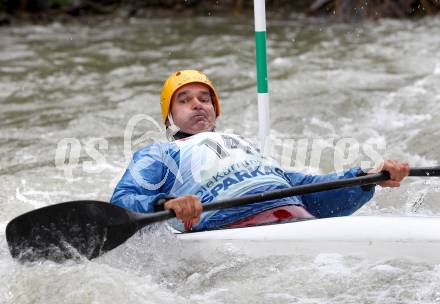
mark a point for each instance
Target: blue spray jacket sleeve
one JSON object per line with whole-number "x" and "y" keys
{"x": 146, "y": 180}
{"x": 338, "y": 202}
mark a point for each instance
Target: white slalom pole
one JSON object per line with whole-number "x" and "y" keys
{"x": 262, "y": 83}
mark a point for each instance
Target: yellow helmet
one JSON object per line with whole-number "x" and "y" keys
{"x": 178, "y": 80}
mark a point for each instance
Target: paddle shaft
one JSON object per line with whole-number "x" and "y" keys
{"x": 292, "y": 191}
{"x": 424, "y": 171}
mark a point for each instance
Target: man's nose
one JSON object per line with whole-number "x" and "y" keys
{"x": 196, "y": 103}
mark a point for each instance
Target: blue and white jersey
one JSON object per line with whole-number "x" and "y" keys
{"x": 217, "y": 166}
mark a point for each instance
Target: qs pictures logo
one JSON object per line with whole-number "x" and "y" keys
{"x": 90, "y": 155}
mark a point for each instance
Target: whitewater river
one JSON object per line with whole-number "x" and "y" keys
{"x": 95, "y": 87}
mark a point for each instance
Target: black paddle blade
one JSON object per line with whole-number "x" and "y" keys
{"x": 69, "y": 230}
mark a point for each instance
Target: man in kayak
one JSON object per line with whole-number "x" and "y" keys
{"x": 200, "y": 165}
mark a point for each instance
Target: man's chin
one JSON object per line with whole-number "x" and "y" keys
{"x": 199, "y": 129}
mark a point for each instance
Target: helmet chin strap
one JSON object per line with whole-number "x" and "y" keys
{"x": 172, "y": 129}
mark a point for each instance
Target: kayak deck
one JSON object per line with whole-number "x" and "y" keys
{"x": 372, "y": 236}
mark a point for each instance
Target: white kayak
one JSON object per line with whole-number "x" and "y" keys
{"x": 370, "y": 236}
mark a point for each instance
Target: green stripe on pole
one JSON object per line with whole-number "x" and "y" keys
{"x": 260, "y": 43}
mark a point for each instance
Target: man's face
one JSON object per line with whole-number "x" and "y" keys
{"x": 192, "y": 108}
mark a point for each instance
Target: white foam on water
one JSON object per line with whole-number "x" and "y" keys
{"x": 369, "y": 84}
{"x": 437, "y": 69}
